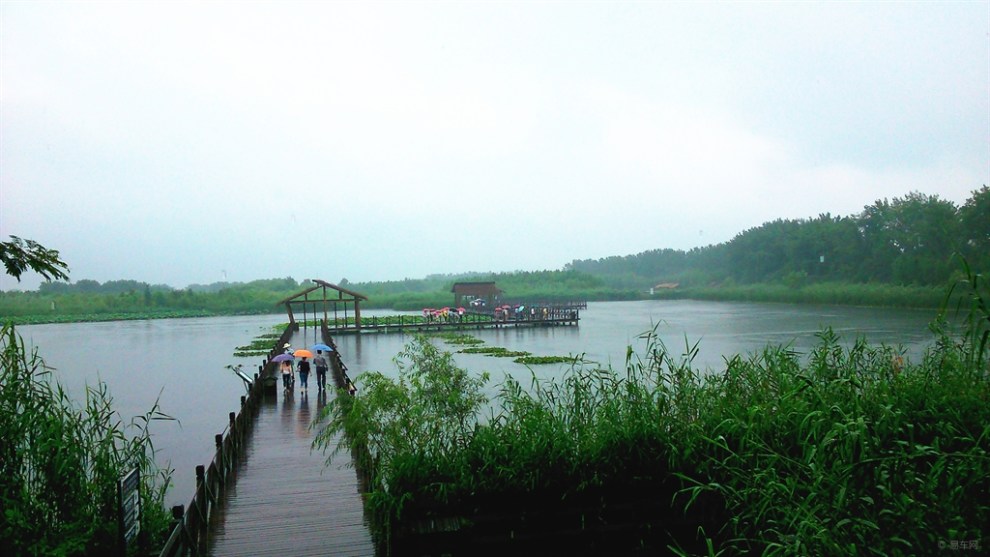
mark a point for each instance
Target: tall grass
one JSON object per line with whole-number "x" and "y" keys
{"x": 839, "y": 451}
{"x": 59, "y": 463}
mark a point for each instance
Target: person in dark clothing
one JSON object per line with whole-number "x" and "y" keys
{"x": 304, "y": 368}
{"x": 321, "y": 370}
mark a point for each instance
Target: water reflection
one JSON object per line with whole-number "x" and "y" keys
{"x": 302, "y": 418}
{"x": 287, "y": 410}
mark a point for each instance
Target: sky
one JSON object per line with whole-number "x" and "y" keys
{"x": 194, "y": 142}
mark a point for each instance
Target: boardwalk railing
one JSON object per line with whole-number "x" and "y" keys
{"x": 190, "y": 530}
{"x": 502, "y": 316}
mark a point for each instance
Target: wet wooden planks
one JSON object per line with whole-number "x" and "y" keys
{"x": 285, "y": 501}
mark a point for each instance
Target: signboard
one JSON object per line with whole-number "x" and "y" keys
{"x": 129, "y": 496}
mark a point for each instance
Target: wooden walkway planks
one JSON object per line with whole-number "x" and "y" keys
{"x": 285, "y": 501}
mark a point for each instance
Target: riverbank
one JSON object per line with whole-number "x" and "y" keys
{"x": 831, "y": 293}
{"x": 55, "y": 318}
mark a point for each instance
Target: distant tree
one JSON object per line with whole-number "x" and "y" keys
{"x": 20, "y": 255}
{"x": 974, "y": 220}
{"x": 88, "y": 286}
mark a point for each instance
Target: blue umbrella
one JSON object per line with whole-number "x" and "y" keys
{"x": 322, "y": 347}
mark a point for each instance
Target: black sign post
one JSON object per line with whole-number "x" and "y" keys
{"x": 129, "y": 495}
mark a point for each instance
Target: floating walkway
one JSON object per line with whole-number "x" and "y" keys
{"x": 285, "y": 500}
{"x": 470, "y": 320}
{"x": 340, "y": 309}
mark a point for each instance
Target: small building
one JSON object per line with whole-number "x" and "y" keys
{"x": 475, "y": 290}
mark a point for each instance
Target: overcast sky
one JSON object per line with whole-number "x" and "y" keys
{"x": 185, "y": 143}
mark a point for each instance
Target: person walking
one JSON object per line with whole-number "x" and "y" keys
{"x": 321, "y": 370}
{"x": 304, "y": 367}
{"x": 286, "y": 375}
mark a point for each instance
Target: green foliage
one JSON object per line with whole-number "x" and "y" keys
{"x": 458, "y": 338}
{"x": 846, "y": 450}
{"x": 430, "y": 408}
{"x": 544, "y": 360}
{"x": 904, "y": 241}
{"x": 59, "y": 464}
{"x": 20, "y": 255}
{"x": 497, "y": 351}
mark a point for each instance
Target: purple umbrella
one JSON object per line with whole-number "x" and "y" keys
{"x": 282, "y": 357}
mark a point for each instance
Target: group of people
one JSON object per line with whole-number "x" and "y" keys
{"x": 520, "y": 313}
{"x": 442, "y": 315}
{"x": 304, "y": 366}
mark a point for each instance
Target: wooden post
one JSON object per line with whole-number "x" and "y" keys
{"x": 220, "y": 460}
{"x": 235, "y": 433}
{"x": 201, "y": 501}
{"x": 292, "y": 318}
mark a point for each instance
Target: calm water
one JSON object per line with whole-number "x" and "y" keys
{"x": 181, "y": 362}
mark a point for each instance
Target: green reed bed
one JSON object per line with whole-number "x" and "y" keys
{"x": 261, "y": 345}
{"x": 840, "y": 451}
{"x": 519, "y": 357}
{"x": 59, "y": 463}
{"x": 460, "y": 339}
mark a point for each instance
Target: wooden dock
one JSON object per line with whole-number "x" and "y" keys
{"x": 284, "y": 500}
{"x": 453, "y": 322}
{"x": 266, "y": 492}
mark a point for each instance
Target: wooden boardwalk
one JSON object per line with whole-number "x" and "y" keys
{"x": 285, "y": 501}
{"x": 471, "y": 320}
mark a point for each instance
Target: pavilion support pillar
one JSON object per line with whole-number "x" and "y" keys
{"x": 292, "y": 318}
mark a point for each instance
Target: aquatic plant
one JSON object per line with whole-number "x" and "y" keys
{"x": 458, "y": 338}
{"x": 544, "y": 360}
{"x": 496, "y": 351}
{"x": 59, "y": 464}
{"x": 841, "y": 450}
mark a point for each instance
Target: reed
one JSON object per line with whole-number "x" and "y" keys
{"x": 839, "y": 451}
{"x": 59, "y": 463}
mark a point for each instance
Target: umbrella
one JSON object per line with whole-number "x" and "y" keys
{"x": 302, "y": 354}
{"x": 282, "y": 357}
{"x": 322, "y": 347}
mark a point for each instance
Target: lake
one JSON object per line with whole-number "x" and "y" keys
{"x": 181, "y": 362}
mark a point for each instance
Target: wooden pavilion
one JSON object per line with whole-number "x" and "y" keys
{"x": 321, "y": 301}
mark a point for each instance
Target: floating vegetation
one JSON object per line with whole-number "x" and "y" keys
{"x": 260, "y": 346}
{"x": 496, "y": 351}
{"x": 458, "y": 338}
{"x": 540, "y": 360}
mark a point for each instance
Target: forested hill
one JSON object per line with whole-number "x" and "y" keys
{"x": 905, "y": 241}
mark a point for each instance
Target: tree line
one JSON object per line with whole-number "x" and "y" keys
{"x": 906, "y": 241}
{"x": 87, "y": 300}
{"x": 904, "y": 246}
